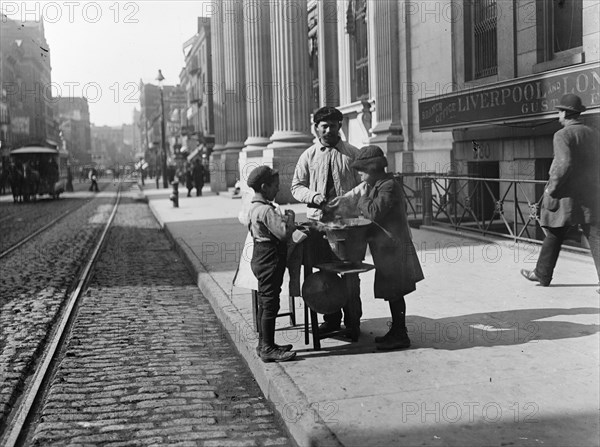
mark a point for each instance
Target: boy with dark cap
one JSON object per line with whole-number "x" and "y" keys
{"x": 323, "y": 173}
{"x": 397, "y": 269}
{"x": 270, "y": 232}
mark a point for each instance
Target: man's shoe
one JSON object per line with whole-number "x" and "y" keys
{"x": 285, "y": 348}
{"x": 394, "y": 341}
{"x": 276, "y": 355}
{"x": 532, "y": 276}
{"x": 353, "y": 333}
{"x": 327, "y": 328}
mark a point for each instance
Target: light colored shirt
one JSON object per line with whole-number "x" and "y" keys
{"x": 310, "y": 175}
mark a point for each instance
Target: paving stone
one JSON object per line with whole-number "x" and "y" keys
{"x": 147, "y": 362}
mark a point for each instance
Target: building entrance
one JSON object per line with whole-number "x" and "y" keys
{"x": 483, "y": 194}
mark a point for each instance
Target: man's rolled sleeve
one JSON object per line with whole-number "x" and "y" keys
{"x": 301, "y": 182}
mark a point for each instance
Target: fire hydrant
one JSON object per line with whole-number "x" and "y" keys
{"x": 174, "y": 197}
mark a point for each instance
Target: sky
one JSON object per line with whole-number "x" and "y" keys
{"x": 102, "y": 49}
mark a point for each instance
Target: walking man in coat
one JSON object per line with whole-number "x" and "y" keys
{"x": 323, "y": 173}
{"x": 572, "y": 195}
{"x": 198, "y": 176}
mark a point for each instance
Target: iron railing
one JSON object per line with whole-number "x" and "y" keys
{"x": 508, "y": 208}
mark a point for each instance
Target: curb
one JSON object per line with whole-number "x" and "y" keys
{"x": 303, "y": 423}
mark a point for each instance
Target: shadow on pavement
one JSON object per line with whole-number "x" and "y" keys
{"x": 476, "y": 424}
{"x": 511, "y": 327}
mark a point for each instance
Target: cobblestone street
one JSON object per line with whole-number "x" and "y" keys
{"x": 148, "y": 362}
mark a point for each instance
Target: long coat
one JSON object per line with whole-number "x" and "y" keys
{"x": 198, "y": 175}
{"x": 573, "y": 192}
{"x": 397, "y": 267}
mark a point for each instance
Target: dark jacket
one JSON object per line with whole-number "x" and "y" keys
{"x": 198, "y": 175}
{"x": 397, "y": 267}
{"x": 573, "y": 191}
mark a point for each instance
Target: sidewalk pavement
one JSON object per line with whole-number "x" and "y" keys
{"x": 495, "y": 359}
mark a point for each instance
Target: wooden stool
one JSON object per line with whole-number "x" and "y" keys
{"x": 349, "y": 273}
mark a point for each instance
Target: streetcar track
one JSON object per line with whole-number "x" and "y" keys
{"x": 35, "y": 233}
{"x": 20, "y": 416}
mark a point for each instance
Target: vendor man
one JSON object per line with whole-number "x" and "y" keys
{"x": 323, "y": 173}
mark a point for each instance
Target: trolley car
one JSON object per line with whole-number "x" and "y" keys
{"x": 37, "y": 170}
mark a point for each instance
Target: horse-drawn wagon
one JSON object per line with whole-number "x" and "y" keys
{"x": 36, "y": 170}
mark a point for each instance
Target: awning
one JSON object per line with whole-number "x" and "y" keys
{"x": 34, "y": 150}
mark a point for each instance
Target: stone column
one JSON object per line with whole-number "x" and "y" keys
{"x": 235, "y": 84}
{"x": 217, "y": 90}
{"x": 384, "y": 80}
{"x": 292, "y": 90}
{"x": 259, "y": 94}
{"x": 327, "y": 38}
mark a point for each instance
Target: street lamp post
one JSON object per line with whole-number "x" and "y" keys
{"x": 161, "y": 78}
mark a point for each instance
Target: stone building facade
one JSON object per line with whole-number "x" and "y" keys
{"x": 197, "y": 122}
{"x": 396, "y": 69}
{"x": 73, "y": 115}
{"x": 25, "y": 78}
{"x": 511, "y": 63}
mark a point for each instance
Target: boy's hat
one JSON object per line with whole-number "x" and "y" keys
{"x": 571, "y": 103}
{"x": 260, "y": 175}
{"x": 370, "y": 156}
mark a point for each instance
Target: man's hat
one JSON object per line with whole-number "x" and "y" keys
{"x": 327, "y": 113}
{"x": 571, "y": 103}
{"x": 370, "y": 156}
{"x": 260, "y": 175}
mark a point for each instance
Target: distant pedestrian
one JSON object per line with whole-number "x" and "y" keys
{"x": 270, "y": 232}
{"x": 198, "y": 174}
{"x": 572, "y": 194}
{"x": 189, "y": 179}
{"x": 94, "y": 180}
{"x": 69, "y": 179}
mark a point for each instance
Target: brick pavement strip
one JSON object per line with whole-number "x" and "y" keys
{"x": 147, "y": 362}
{"x": 34, "y": 281}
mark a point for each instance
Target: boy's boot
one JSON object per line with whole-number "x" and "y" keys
{"x": 397, "y": 337}
{"x": 260, "y": 338}
{"x": 398, "y": 311}
{"x": 270, "y": 352}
